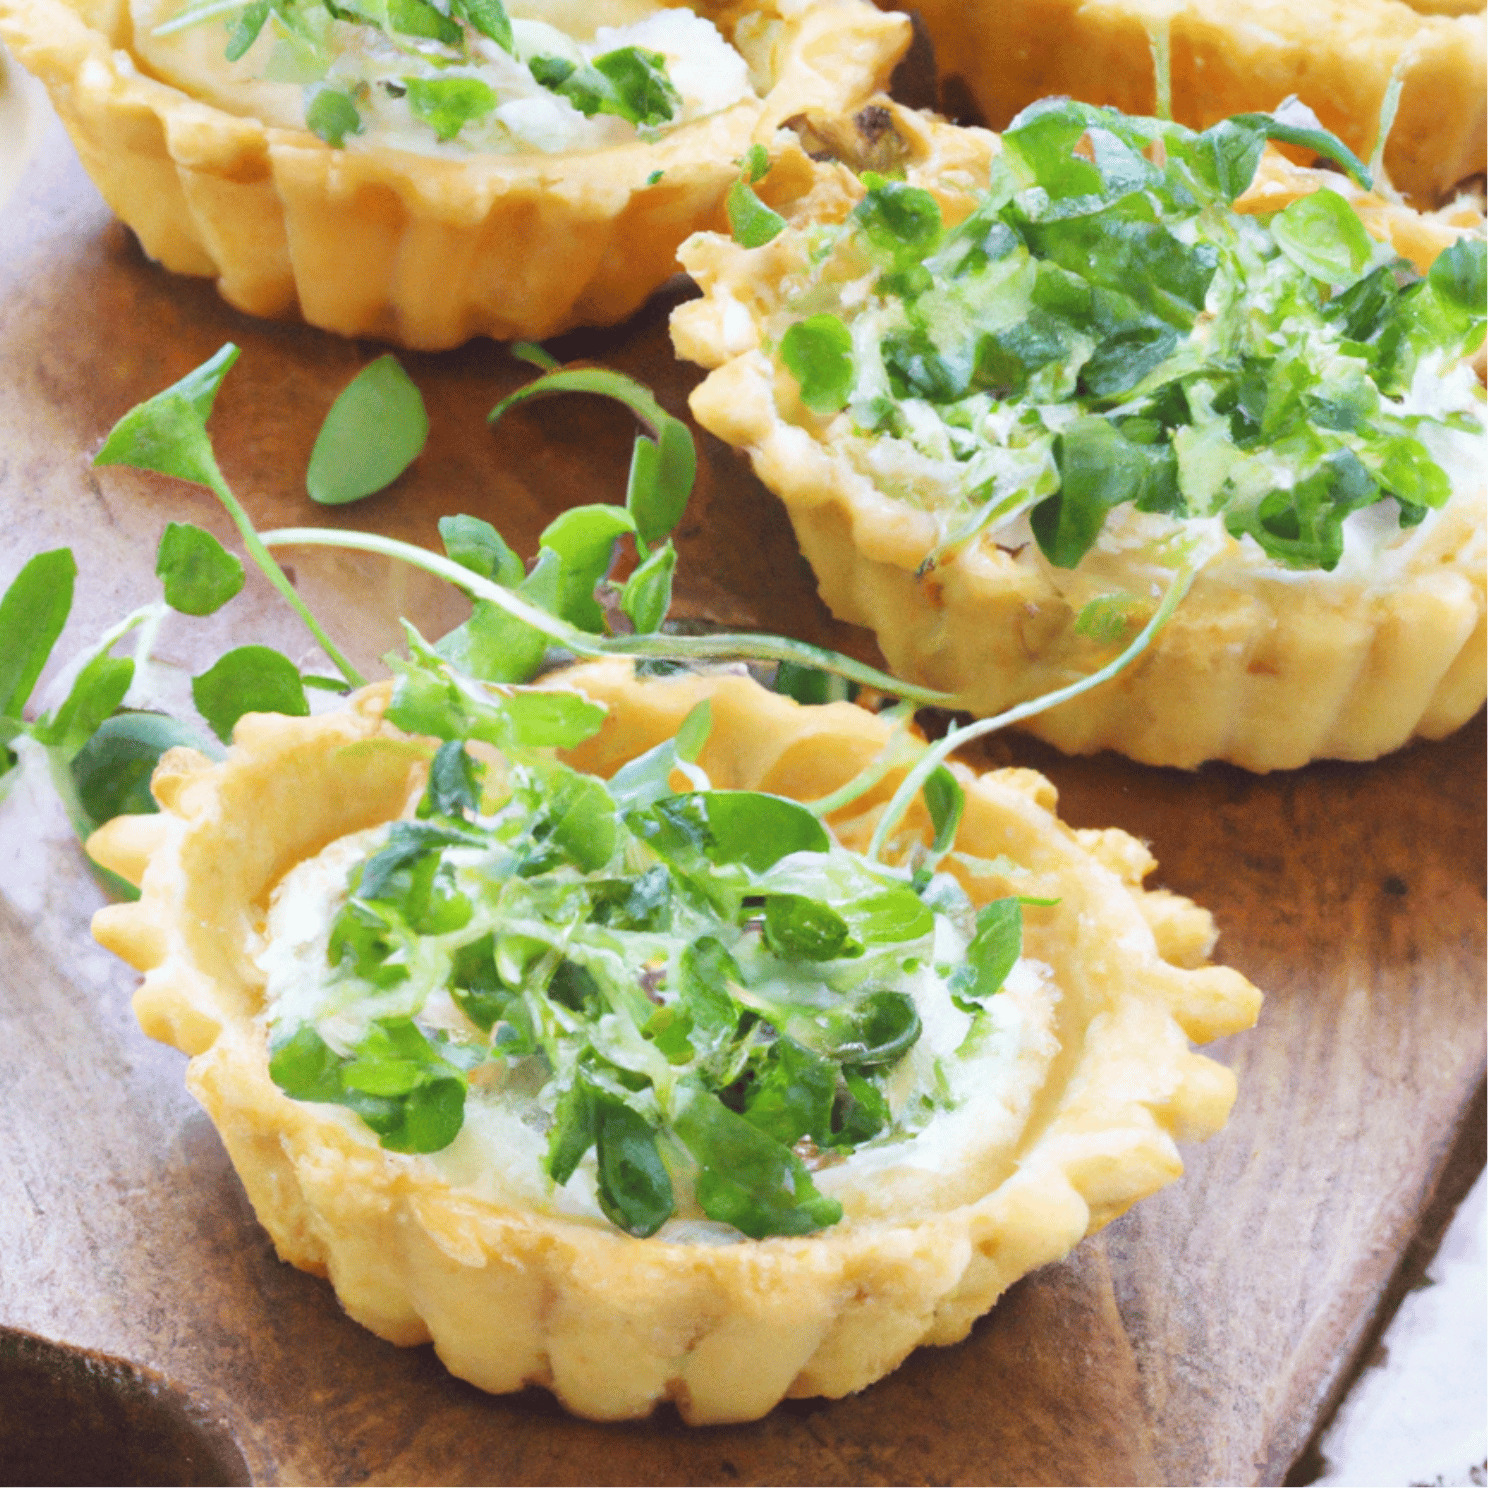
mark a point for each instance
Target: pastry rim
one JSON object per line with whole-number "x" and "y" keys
{"x": 736, "y": 1327}
{"x": 508, "y": 246}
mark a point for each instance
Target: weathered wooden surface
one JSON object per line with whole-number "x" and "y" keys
{"x": 1194, "y": 1341}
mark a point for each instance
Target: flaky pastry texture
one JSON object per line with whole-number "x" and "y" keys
{"x": 1261, "y": 665}
{"x": 421, "y": 251}
{"x": 614, "y": 1325}
{"x": 1238, "y": 56}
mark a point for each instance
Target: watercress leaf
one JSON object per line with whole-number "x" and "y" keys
{"x": 677, "y": 467}
{"x": 581, "y": 817}
{"x": 889, "y": 917}
{"x": 374, "y": 431}
{"x": 429, "y": 1119}
{"x": 419, "y": 18}
{"x": 647, "y": 595}
{"x": 454, "y": 782}
{"x": 1042, "y": 140}
{"x": 494, "y": 646}
{"x": 745, "y": 827}
{"x": 96, "y": 691}
{"x": 572, "y": 1132}
{"x": 245, "y": 30}
{"x": 1226, "y": 156}
{"x": 198, "y": 573}
{"x": 489, "y": 17}
{"x": 991, "y": 955}
{"x": 811, "y": 685}
{"x": 751, "y": 222}
{"x": 798, "y": 928}
{"x": 635, "y": 1189}
{"x": 1099, "y": 468}
{"x": 548, "y": 718}
{"x": 408, "y": 842}
{"x": 112, "y": 769}
{"x": 903, "y": 220}
{"x": 448, "y": 104}
{"x": 818, "y": 353}
{"x": 1459, "y": 279}
{"x": 32, "y": 613}
{"x": 878, "y": 1030}
{"x": 304, "y": 1066}
{"x": 643, "y": 93}
{"x": 584, "y": 538}
{"x": 1126, "y": 357}
{"x": 859, "y": 1113}
{"x": 945, "y": 800}
{"x": 1322, "y": 234}
{"x": 792, "y": 1095}
{"x": 167, "y": 433}
{"x": 746, "y": 1178}
{"x": 705, "y": 971}
{"x": 478, "y": 546}
{"x": 1318, "y": 140}
{"x": 250, "y": 679}
{"x": 332, "y": 115}
{"x": 754, "y": 163}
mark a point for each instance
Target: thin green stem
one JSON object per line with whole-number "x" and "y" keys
{"x": 936, "y": 755}
{"x": 581, "y": 643}
{"x": 891, "y": 754}
{"x": 258, "y": 550}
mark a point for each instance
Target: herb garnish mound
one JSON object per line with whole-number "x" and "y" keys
{"x": 701, "y": 987}
{"x": 1104, "y": 328}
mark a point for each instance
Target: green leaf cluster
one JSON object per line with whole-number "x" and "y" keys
{"x": 1104, "y": 329}
{"x": 706, "y": 991}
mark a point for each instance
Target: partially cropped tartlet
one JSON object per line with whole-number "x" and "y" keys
{"x": 424, "y": 173}
{"x": 1007, "y": 397}
{"x": 640, "y": 1084}
{"x": 1230, "y": 56}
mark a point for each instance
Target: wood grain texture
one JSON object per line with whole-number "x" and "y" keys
{"x": 1193, "y": 1342}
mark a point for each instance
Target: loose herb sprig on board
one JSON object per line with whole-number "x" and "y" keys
{"x": 703, "y": 982}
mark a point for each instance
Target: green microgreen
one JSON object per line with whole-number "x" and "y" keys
{"x": 1103, "y": 330}
{"x": 375, "y": 430}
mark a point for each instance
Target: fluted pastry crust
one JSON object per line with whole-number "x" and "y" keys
{"x": 425, "y": 252}
{"x": 1263, "y": 666}
{"x": 1234, "y": 56}
{"x": 613, "y": 1325}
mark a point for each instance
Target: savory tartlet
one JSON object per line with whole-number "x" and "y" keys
{"x": 1008, "y": 397}
{"x": 428, "y": 226}
{"x": 625, "y": 1164}
{"x": 1230, "y": 56}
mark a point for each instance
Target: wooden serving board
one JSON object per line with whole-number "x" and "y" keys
{"x": 1197, "y": 1340}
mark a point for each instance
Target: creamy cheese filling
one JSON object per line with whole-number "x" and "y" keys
{"x": 278, "y": 78}
{"x": 959, "y": 1097}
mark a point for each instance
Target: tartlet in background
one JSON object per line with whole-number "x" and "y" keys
{"x": 1232, "y": 56}
{"x": 421, "y": 251}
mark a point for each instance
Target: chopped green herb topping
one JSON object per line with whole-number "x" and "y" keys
{"x": 701, "y": 989}
{"x": 1105, "y": 330}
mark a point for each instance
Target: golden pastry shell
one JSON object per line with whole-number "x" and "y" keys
{"x": 1260, "y": 666}
{"x": 610, "y": 1324}
{"x": 421, "y": 251}
{"x": 1239, "y": 56}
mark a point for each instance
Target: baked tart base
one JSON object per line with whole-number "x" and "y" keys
{"x": 1262, "y": 666}
{"x": 421, "y": 251}
{"x": 1238, "y": 56}
{"x": 614, "y": 1325}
